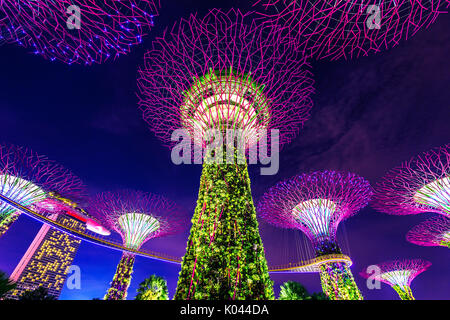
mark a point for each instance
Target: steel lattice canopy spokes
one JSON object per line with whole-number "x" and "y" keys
{"x": 19, "y": 190}
{"x": 137, "y": 227}
{"x": 225, "y": 102}
{"x": 96, "y": 238}
{"x": 436, "y": 194}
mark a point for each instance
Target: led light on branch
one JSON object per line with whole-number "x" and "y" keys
{"x": 419, "y": 185}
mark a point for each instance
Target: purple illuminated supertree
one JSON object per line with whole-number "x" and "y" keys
{"x": 433, "y": 232}
{"x": 341, "y": 28}
{"x": 27, "y": 178}
{"x": 398, "y": 274}
{"x": 227, "y": 74}
{"x": 137, "y": 217}
{"x": 316, "y": 203}
{"x": 84, "y": 32}
{"x": 419, "y": 185}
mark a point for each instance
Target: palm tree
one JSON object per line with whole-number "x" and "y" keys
{"x": 6, "y": 285}
{"x": 153, "y": 288}
{"x": 40, "y": 293}
{"x": 292, "y": 290}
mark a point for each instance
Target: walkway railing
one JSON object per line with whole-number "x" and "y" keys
{"x": 311, "y": 265}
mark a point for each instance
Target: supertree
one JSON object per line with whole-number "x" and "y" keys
{"x": 341, "y": 28}
{"x": 398, "y": 274}
{"x": 228, "y": 74}
{"x": 316, "y": 203}
{"x": 82, "y": 32}
{"x": 419, "y": 185}
{"x": 433, "y": 232}
{"x": 28, "y": 178}
{"x": 137, "y": 217}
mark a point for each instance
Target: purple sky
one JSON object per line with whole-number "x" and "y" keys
{"x": 369, "y": 115}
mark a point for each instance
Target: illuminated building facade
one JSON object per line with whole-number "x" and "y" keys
{"x": 47, "y": 260}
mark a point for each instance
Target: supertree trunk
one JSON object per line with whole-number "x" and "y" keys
{"x": 405, "y": 293}
{"x": 336, "y": 277}
{"x": 7, "y": 221}
{"x": 122, "y": 278}
{"x": 338, "y": 282}
{"x": 225, "y": 256}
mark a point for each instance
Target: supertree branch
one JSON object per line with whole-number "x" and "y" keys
{"x": 222, "y": 71}
{"x": 399, "y": 274}
{"x": 336, "y": 29}
{"x": 85, "y": 32}
{"x": 419, "y": 185}
{"x": 433, "y": 232}
{"x": 137, "y": 217}
{"x": 28, "y": 178}
{"x": 316, "y": 203}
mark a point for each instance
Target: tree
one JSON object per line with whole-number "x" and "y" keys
{"x": 224, "y": 258}
{"x": 292, "y": 290}
{"x": 40, "y": 294}
{"x": 319, "y": 296}
{"x": 6, "y": 285}
{"x": 153, "y": 288}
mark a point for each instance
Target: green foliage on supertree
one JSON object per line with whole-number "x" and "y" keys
{"x": 153, "y": 288}
{"x": 292, "y": 290}
{"x": 38, "y": 294}
{"x": 225, "y": 256}
{"x": 122, "y": 278}
{"x": 338, "y": 282}
{"x": 6, "y": 284}
{"x": 7, "y": 221}
{"x": 404, "y": 293}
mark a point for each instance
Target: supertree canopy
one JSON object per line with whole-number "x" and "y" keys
{"x": 82, "y": 32}
{"x": 224, "y": 72}
{"x": 433, "y": 232}
{"x": 137, "y": 217}
{"x": 349, "y": 28}
{"x": 399, "y": 274}
{"x": 316, "y": 203}
{"x": 28, "y": 178}
{"x": 419, "y": 185}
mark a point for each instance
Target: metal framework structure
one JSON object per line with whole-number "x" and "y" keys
{"x": 399, "y": 274}
{"x": 419, "y": 185}
{"x": 316, "y": 203}
{"x": 102, "y": 240}
{"x": 137, "y": 217}
{"x": 85, "y": 32}
{"x": 433, "y": 232}
{"x": 27, "y": 178}
{"x": 336, "y": 29}
{"x": 225, "y": 73}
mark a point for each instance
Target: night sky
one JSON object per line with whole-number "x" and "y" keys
{"x": 369, "y": 115}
